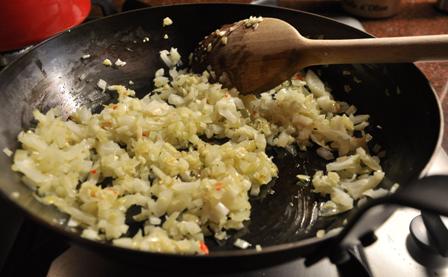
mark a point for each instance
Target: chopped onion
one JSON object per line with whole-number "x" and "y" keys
{"x": 102, "y": 84}
{"x": 107, "y": 62}
{"x": 119, "y": 62}
{"x": 7, "y": 151}
{"x": 376, "y": 193}
{"x": 303, "y": 177}
{"x": 320, "y": 233}
{"x": 155, "y": 220}
{"x": 167, "y": 21}
{"x": 221, "y": 209}
{"x": 90, "y": 234}
{"x": 394, "y": 187}
{"x": 241, "y": 244}
{"x": 72, "y": 223}
{"x": 325, "y": 153}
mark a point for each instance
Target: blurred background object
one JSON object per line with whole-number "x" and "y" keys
{"x": 310, "y": 5}
{"x": 442, "y": 5}
{"x": 372, "y": 8}
{"x": 169, "y": 2}
{"x": 24, "y": 22}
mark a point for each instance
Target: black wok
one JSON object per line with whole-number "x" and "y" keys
{"x": 398, "y": 98}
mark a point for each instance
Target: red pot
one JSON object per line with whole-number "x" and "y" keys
{"x": 24, "y": 22}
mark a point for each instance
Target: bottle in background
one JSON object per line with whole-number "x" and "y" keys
{"x": 372, "y": 8}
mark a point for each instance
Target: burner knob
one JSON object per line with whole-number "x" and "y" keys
{"x": 427, "y": 242}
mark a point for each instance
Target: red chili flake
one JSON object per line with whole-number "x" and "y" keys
{"x": 297, "y": 76}
{"x": 219, "y": 186}
{"x": 106, "y": 124}
{"x": 113, "y": 191}
{"x": 145, "y": 133}
{"x": 114, "y": 106}
{"x": 93, "y": 171}
{"x": 203, "y": 247}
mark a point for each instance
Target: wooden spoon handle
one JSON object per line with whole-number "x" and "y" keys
{"x": 377, "y": 50}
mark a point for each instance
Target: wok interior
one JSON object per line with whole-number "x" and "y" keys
{"x": 397, "y": 97}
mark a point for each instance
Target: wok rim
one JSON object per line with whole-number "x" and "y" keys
{"x": 220, "y": 254}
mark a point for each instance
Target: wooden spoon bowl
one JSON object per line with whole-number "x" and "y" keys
{"x": 256, "y": 55}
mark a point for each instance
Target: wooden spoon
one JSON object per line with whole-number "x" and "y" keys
{"x": 256, "y": 56}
